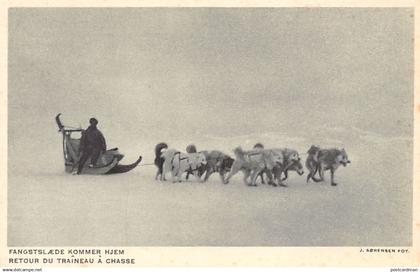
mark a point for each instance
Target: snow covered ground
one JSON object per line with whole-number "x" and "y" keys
{"x": 370, "y": 206}
{"x": 217, "y": 78}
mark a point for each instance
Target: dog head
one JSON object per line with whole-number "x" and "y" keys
{"x": 297, "y": 166}
{"x": 274, "y": 159}
{"x": 343, "y": 158}
{"x": 313, "y": 150}
{"x": 201, "y": 159}
{"x": 196, "y": 160}
{"x": 292, "y": 156}
{"x": 191, "y": 149}
{"x": 238, "y": 151}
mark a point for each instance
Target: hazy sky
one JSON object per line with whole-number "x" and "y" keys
{"x": 218, "y": 78}
{"x": 191, "y": 71}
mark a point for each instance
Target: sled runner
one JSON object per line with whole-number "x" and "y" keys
{"x": 108, "y": 162}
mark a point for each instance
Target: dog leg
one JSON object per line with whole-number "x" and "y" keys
{"x": 282, "y": 184}
{"x": 190, "y": 173}
{"x": 247, "y": 179}
{"x": 222, "y": 175}
{"x": 201, "y": 172}
{"x": 321, "y": 174}
{"x": 317, "y": 180}
{"x": 208, "y": 173}
{"x": 158, "y": 175}
{"x": 318, "y": 169}
{"x": 177, "y": 176}
{"x": 262, "y": 177}
{"x": 278, "y": 173}
{"x": 174, "y": 177}
{"x": 332, "y": 178}
{"x": 235, "y": 169}
{"x": 271, "y": 178}
{"x": 197, "y": 176}
{"x": 276, "y": 178}
{"x": 165, "y": 169}
{"x": 163, "y": 172}
{"x": 254, "y": 175}
{"x": 247, "y": 173}
{"x": 286, "y": 175}
{"x": 162, "y": 176}
{"x": 310, "y": 175}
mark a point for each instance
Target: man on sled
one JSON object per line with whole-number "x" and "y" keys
{"x": 92, "y": 144}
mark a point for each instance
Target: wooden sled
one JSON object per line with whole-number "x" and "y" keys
{"x": 108, "y": 162}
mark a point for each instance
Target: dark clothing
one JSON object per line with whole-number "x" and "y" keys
{"x": 92, "y": 137}
{"x": 87, "y": 153}
{"x": 91, "y": 145}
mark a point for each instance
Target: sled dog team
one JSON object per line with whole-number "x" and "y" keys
{"x": 273, "y": 163}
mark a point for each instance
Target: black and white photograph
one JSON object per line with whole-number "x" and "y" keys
{"x": 210, "y": 126}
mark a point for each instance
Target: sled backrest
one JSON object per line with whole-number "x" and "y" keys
{"x": 72, "y": 148}
{"x": 72, "y": 154}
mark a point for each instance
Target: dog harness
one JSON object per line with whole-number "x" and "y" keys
{"x": 179, "y": 160}
{"x": 249, "y": 155}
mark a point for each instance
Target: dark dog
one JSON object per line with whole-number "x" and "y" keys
{"x": 325, "y": 159}
{"x": 159, "y": 159}
{"x": 217, "y": 162}
{"x": 331, "y": 159}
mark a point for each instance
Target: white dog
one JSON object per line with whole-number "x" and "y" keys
{"x": 178, "y": 163}
{"x": 254, "y": 162}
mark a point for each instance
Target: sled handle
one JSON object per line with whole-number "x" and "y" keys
{"x": 62, "y": 128}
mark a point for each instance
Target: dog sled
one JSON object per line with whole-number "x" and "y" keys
{"x": 108, "y": 162}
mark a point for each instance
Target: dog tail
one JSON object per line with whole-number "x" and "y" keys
{"x": 259, "y": 145}
{"x": 158, "y": 149}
